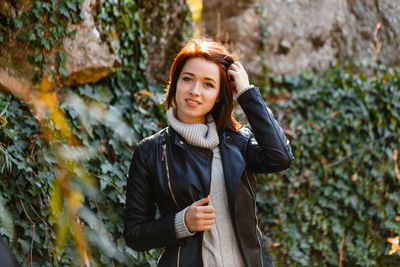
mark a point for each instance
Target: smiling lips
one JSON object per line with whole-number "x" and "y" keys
{"x": 192, "y": 102}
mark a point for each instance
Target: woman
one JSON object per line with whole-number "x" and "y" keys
{"x": 199, "y": 170}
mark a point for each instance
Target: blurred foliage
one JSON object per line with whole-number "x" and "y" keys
{"x": 64, "y": 157}
{"x": 338, "y": 203}
{"x": 196, "y": 7}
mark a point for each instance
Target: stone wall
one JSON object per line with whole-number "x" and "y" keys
{"x": 166, "y": 27}
{"x": 88, "y": 58}
{"x": 305, "y": 34}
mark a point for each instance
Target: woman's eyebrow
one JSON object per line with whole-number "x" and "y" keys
{"x": 210, "y": 79}
{"x": 206, "y": 78}
{"x": 189, "y": 73}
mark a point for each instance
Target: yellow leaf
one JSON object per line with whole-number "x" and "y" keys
{"x": 56, "y": 200}
{"x": 45, "y": 85}
{"x": 75, "y": 199}
{"x": 61, "y": 123}
{"x": 395, "y": 244}
{"x": 49, "y": 100}
{"x": 114, "y": 35}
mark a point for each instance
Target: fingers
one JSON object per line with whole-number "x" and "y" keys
{"x": 203, "y": 209}
{"x": 239, "y": 74}
{"x": 236, "y": 66}
{"x": 199, "y": 217}
{"x": 204, "y": 216}
{"x": 202, "y": 201}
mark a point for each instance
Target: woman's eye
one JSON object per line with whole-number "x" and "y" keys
{"x": 186, "y": 79}
{"x": 209, "y": 85}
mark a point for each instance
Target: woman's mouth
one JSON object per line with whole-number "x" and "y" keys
{"x": 192, "y": 103}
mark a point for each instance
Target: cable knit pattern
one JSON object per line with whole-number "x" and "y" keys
{"x": 220, "y": 246}
{"x": 196, "y": 134}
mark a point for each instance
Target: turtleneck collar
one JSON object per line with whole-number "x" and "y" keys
{"x": 196, "y": 134}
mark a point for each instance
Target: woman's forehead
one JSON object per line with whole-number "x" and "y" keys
{"x": 201, "y": 68}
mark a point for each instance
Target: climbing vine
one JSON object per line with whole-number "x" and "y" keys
{"x": 339, "y": 202}
{"x": 65, "y": 174}
{"x": 45, "y": 25}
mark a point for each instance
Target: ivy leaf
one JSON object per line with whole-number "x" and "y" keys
{"x": 63, "y": 71}
{"x": 22, "y": 36}
{"x": 45, "y": 43}
{"x": 61, "y": 55}
{"x": 64, "y": 11}
{"x": 18, "y": 23}
{"x": 32, "y": 37}
{"x": 72, "y": 34}
{"x": 71, "y": 5}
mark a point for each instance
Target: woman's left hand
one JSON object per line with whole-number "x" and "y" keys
{"x": 239, "y": 75}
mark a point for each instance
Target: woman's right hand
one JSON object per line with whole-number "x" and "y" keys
{"x": 199, "y": 217}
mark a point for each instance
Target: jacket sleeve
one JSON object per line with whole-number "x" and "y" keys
{"x": 269, "y": 151}
{"x": 141, "y": 230}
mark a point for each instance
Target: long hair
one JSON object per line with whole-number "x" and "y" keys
{"x": 215, "y": 52}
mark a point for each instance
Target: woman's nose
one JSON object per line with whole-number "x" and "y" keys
{"x": 195, "y": 89}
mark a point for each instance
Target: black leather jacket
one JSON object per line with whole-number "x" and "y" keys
{"x": 168, "y": 172}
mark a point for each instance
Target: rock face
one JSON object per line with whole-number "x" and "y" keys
{"x": 165, "y": 30}
{"x": 88, "y": 58}
{"x": 304, "y": 33}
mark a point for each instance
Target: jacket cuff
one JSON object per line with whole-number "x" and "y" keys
{"x": 181, "y": 230}
{"x": 242, "y": 91}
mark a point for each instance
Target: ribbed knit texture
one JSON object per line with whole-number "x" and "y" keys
{"x": 196, "y": 134}
{"x": 181, "y": 230}
{"x": 241, "y": 91}
{"x": 220, "y": 246}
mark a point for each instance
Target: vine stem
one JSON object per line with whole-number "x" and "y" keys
{"x": 33, "y": 229}
{"x": 341, "y": 250}
{"x": 396, "y": 165}
{"x": 47, "y": 233}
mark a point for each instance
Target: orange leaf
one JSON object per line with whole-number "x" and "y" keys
{"x": 395, "y": 244}
{"x": 45, "y": 85}
{"x": 324, "y": 160}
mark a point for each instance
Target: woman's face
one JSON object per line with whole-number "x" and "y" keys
{"x": 197, "y": 90}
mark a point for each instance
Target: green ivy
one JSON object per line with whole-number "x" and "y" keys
{"x": 343, "y": 128}
{"x": 133, "y": 111}
{"x": 46, "y": 24}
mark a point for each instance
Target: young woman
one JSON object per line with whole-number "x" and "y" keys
{"x": 199, "y": 170}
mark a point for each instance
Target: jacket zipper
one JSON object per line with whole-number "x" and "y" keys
{"x": 179, "y": 256}
{"x": 254, "y": 197}
{"x": 164, "y": 156}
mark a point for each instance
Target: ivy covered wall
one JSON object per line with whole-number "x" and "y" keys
{"x": 64, "y": 154}
{"x": 65, "y": 150}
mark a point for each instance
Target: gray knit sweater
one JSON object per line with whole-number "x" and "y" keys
{"x": 220, "y": 246}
